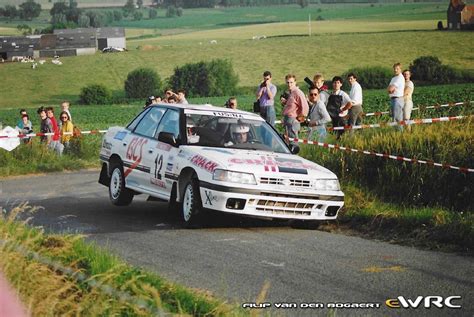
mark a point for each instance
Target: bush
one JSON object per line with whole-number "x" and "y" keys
{"x": 141, "y": 83}
{"x": 429, "y": 69}
{"x": 425, "y": 67}
{"x": 95, "y": 94}
{"x": 171, "y": 12}
{"x": 371, "y": 77}
{"x": 138, "y": 15}
{"x": 152, "y": 14}
{"x": 204, "y": 79}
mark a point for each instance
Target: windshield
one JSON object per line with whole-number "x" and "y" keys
{"x": 238, "y": 133}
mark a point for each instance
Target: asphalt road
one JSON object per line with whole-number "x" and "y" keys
{"x": 236, "y": 258}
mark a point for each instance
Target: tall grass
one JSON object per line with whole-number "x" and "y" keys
{"x": 59, "y": 275}
{"x": 407, "y": 183}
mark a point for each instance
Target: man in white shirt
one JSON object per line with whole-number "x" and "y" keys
{"x": 355, "y": 112}
{"x": 395, "y": 90}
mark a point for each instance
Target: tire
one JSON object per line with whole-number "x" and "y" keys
{"x": 191, "y": 205}
{"x": 119, "y": 195}
{"x": 305, "y": 224}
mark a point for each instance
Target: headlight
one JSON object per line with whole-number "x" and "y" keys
{"x": 234, "y": 177}
{"x": 326, "y": 184}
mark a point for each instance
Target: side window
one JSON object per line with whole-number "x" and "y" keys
{"x": 170, "y": 123}
{"x": 137, "y": 119}
{"x": 147, "y": 126}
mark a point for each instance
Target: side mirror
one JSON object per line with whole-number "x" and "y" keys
{"x": 168, "y": 138}
{"x": 294, "y": 148}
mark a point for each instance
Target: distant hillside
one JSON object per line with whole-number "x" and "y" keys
{"x": 47, "y": 4}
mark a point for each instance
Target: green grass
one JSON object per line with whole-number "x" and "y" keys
{"x": 225, "y": 17}
{"x": 336, "y": 53}
{"x": 433, "y": 228}
{"x": 49, "y": 291}
{"x": 406, "y": 183}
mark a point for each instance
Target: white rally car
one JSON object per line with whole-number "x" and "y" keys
{"x": 207, "y": 157}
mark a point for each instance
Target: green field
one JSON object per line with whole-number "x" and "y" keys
{"x": 329, "y": 53}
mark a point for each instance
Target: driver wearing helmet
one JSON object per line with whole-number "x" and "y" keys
{"x": 239, "y": 133}
{"x": 191, "y": 131}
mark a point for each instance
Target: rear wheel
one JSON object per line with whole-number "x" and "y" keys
{"x": 118, "y": 193}
{"x": 191, "y": 203}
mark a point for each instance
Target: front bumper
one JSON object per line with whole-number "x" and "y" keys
{"x": 269, "y": 204}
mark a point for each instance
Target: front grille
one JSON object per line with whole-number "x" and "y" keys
{"x": 275, "y": 207}
{"x": 300, "y": 183}
{"x": 283, "y": 182}
{"x": 271, "y": 181}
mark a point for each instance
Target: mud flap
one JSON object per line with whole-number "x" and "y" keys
{"x": 104, "y": 178}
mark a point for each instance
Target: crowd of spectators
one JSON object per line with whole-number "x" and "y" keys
{"x": 315, "y": 109}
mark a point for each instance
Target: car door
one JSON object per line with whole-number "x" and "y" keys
{"x": 162, "y": 159}
{"x": 141, "y": 145}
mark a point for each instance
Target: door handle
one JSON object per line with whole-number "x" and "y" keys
{"x": 124, "y": 143}
{"x": 150, "y": 150}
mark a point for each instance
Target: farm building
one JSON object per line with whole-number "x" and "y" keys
{"x": 64, "y": 42}
{"x": 110, "y": 37}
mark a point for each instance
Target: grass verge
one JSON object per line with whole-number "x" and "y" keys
{"x": 58, "y": 275}
{"x": 432, "y": 228}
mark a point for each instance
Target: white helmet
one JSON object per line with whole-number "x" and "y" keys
{"x": 239, "y": 128}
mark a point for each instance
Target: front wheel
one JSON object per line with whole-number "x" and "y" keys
{"x": 191, "y": 203}
{"x": 118, "y": 193}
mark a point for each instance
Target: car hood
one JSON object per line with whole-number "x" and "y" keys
{"x": 261, "y": 163}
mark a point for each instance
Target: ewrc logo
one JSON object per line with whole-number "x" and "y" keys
{"x": 428, "y": 302}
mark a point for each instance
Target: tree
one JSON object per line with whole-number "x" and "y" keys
{"x": 140, "y": 4}
{"x": 10, "y": 12}
{"x": 141, "y": 83}
{"x": 303, "y": 3}
{"x": 25, "y": 29}
{"x": 138, "y": 15}
{"x": 129, "y": 8}
{"x": 29, "y": 10}
{"x": 152, "y": 14}
{"x": 58, "y": 8}
{"x": 84, "y": 21}
{"x": 59, "y": 18}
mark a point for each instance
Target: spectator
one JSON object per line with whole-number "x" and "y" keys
{"x": 25, "y": 127}
{"x": 149, "y": 101}
{"x": 22, "y": 113}
{"x": 65, "y": 107}
{"x": 168, "y": 94}
{"x": 157, "y": 99}
{"x": 407, "y": 95}
{"x": 296, "y": 108}
{"x": 66, "y": 127}
{"x": 181, "y": 97}
{"x": 54, "y": 142}
{"x": 231, "y": 103}
{"x": 395, "y": 90}
{"x": 318, "y": 81}
{"x": 355, "y": 112}
{"x": 172, "y": 99}
{"x": 318, "y": 116}
{"x": 46, "y": 125}
{"x": 266, "y": 96}
{"x": 338, "y": 105}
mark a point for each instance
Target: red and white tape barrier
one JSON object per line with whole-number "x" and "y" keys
{"x": 402, "y": 123}
{"x": 30, "y": 135}
{"x": 386, "y": 155}
{"x": 451, "y": 104}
